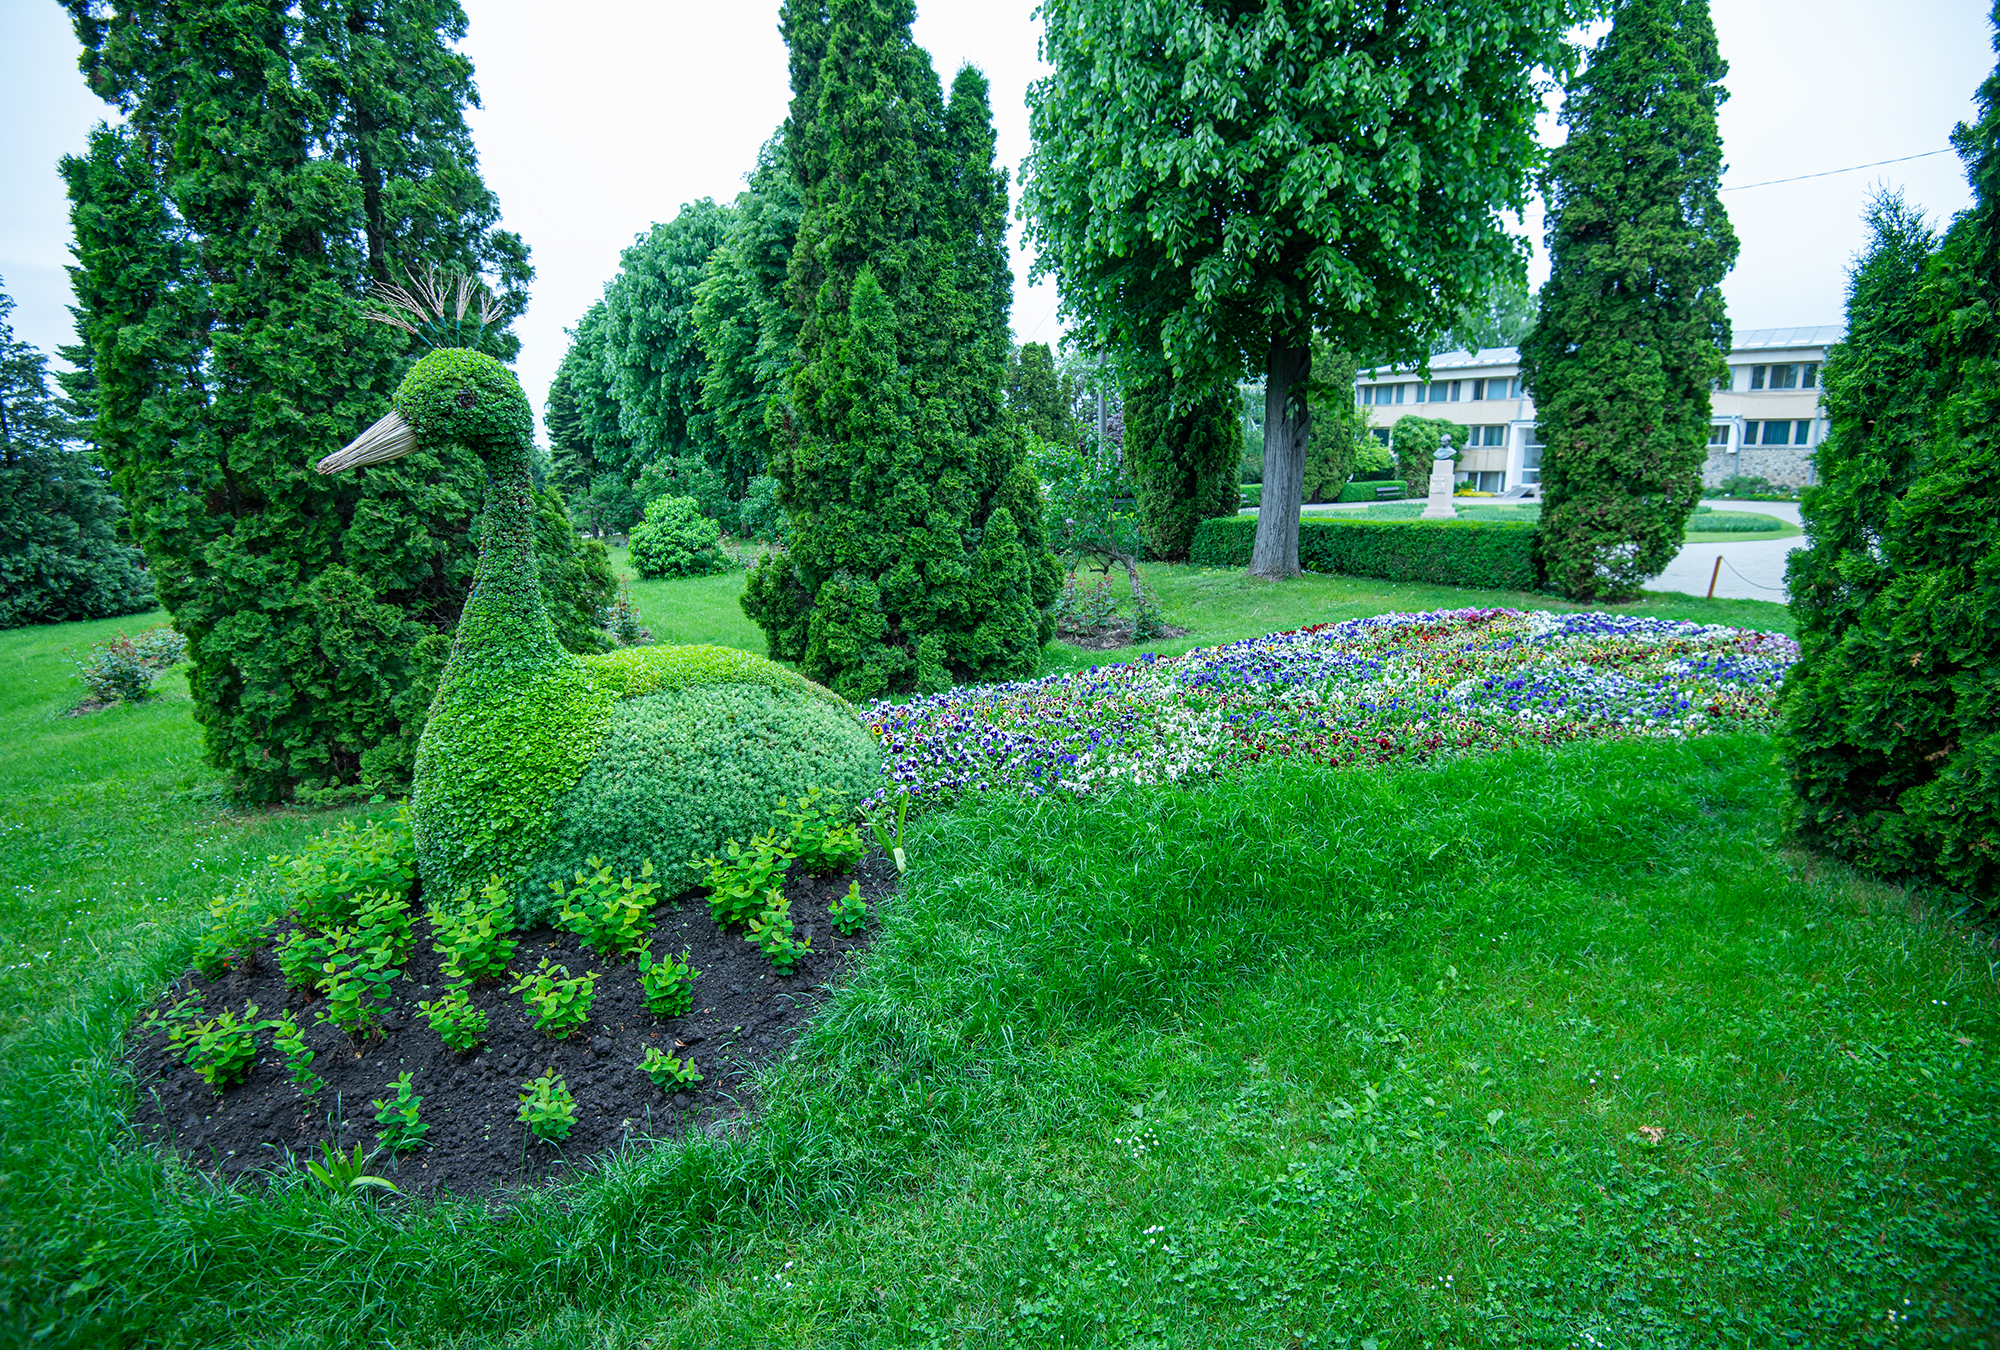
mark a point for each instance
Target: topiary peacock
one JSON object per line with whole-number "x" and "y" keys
{"x": 534, "y": 759}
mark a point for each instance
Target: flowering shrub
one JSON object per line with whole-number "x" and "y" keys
{"x": 1386, "y": 689}
{"x": 122, "y": 668}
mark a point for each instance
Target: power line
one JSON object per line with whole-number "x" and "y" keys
{"x": 1773, "y": 182}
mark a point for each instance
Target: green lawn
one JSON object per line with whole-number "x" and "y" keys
{"x": 1548, "y": 1049}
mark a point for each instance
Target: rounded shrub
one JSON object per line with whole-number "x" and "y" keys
{"x": 677, "y": 540}
{"x": 686, "y": 769}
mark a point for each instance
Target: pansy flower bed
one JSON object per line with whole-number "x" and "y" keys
{"x": 1387, "y": 689}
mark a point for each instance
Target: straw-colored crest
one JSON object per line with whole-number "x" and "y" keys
{"x": 390, "y": 438}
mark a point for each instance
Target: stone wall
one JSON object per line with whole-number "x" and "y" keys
{"x": 1785, "y": 465}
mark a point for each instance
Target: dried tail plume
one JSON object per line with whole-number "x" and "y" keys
{"x": 432, "y": 308}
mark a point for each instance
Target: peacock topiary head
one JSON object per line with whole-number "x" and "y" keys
{"x": 451, "y": 395}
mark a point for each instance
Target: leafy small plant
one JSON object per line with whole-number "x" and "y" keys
{"x": 1149, "y": 620}
{"x": 622, "y": 619}
{"x": 302, "y": 957}
{"x": 666, "y": 1071}
{"x": 458, "y": 1024}
{"x": 231, "y": 938}
{"x": 612, "y": 917}
{"x": 771, "y": 933}
{"x": 547, "y": 1108}
{"x": 324, "y": 881}
{"x": 122, "y": 669}
{"x": 357, "y": 982}
{"x": 668, "y": 983}
{"x": 341, "y": 1172}
{"x": 892, "y": 841}
{"x": 221, "y": 1049}
{"x": 850, "y": 911}
{"x": 558, "y": 1001}
{"x": 397, "y": 1122}
{"x": 291, "y": 1043}
{"x": 472, "y": 934}
{"x": 824, "y": 835}
{"x": 740, "y": 882}
{"x": 382, "y": 923}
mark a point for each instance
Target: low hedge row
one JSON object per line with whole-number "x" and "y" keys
{"x": 1359, "y": 491}
{"x": 1485, "y": 554}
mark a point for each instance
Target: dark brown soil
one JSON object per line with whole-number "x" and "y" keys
{"x": 746, "y": 1013}
{"x": 1111, "y": 639}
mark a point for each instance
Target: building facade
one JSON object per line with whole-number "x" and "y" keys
{"x": 1765, "y": 424}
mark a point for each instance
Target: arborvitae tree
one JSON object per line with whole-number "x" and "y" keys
{"x": 1220, "y": 182}
{"x": 748, "y": 333}
{"x": 60, "y": 556}
{"x": 1041, "y": 396}
{"x": 1183, "y": 446}
{"x": 1892, "y": 714}
{"x": 269, "y": 163}
{"x": 653, "y": 349}
{"x": 1632, "y": 331}
{"x": 916, "y": 557}
{"x": 1338, "y": 424}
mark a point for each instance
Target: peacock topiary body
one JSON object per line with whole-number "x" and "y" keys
{"x": 534, "y": 759}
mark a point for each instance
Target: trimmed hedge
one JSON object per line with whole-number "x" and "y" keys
{"x": 1359, "y": 491}
{"x": 1486, "y": 554}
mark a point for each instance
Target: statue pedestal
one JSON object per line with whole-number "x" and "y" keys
{"x": 1439, "y": 506}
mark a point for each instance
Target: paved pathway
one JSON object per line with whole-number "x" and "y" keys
{"x": 1753, "y": 569}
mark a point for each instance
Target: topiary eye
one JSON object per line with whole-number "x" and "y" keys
{"x": 467, "y": 398}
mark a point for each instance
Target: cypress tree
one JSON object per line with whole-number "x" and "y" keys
{"x": 60, "y": 555}
{"x": 1183, "y": 451}
{"x": 1339, "y": 427}
{"x": 1632, "y": 333}
{"x": 1041, "y": 397}
{"x": 1892, "y": 714}
{"x": 916, "y": 558}
{"x": 269, "y": 165}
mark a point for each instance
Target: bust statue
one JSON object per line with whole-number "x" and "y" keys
{"x": 1444, "y": 451}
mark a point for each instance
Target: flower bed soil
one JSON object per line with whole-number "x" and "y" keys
{"x": 746, "y": 1013}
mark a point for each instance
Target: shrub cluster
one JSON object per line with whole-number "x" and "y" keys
{"x": 122, "y": 669}
{"x": 677, "y": 540}
{"x": 1489, "y": 555}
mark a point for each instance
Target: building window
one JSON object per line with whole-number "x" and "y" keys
{"x": 1485, "y": 480}
{"x": 1441, "y": 392}
{"x": 1494, "y": 389}
{"x": 1810, "y": 378}
{"x": 1802, "y": 433}
{"x": 1531, "y": 457}
{"x": 1488, "y": 436}
{"x": 1381, "y": 434}
{"x": 1381, "y": 393}
{"x": 1718, "y": 434}
{"x": 1784, "y": 377}
{"x": 1778, "y": 433}
{"x": 1757, "y": 374}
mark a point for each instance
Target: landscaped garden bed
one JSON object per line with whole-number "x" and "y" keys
{"x": 522, "y": 1103}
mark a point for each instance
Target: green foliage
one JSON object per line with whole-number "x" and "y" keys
{"x": 344, "y": 1173}
{"x": 1441, "y": 552}
{"x": 397, "y": 1122}
{"x": 586, "y": 444}
{"x": 742, "y": 882}
{"x": 1082, "y": 491}
{"x": 221, "y": 1049}
{"x": 1182, "y": 445}
{"x": 915, "y": 556}
{"x": 825, "y": 836}
{"x": 1371, "y": 491}
{"x": 576, "y": 575}
{"x": 1339, "y": 435}
{"x": 622, "y": 621}
{"x": 237, "y": 922}
{"x": 748, "y": 333}
{"x": 770, "y": 932}
{"x": 849, "y": 912}
{"x": 762, "y": 515}
{"x": 302, "y": 958}
{"x": 356, "y": 980}
{"x": 60, "y": 554}
{"x": 1892, "y": 715}
{"x": 471, "y": 934}
{"x": 1632, "y": 329}
{"x": 1220, "y": 188}
{"x": 547, "y": 1108}
{"x": 677, "y": 540}
{"x": 1041, "y": 397}
{"x": 225, "y": 362}
{"x": 683, "y": 770}
{"x": 458, "y": 1024}
{"x": 652, "y": 347}
{"x": 613, "y": 917}
{"x": 1415, "y": 442}
{"x": 667, "y": 983}
{"x": 688, "y": 476}
{"x": 122, "y": 669}
{"x": 557, "y": 1002}
{"x": 1371, "y": 456}
{"x": 324, "y": 881}
{"x": 382, "y": 923}
{"x": 289, "y": 1041}
{"x": 668, "y": 1074}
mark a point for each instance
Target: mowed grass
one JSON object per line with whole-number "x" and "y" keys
{"x": 1548, "y": 1049}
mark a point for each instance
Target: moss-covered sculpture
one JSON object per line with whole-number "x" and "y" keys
{"x": 534, "y": 759}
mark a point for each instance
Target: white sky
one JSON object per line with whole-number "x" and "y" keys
{"x": 602, "y": 116}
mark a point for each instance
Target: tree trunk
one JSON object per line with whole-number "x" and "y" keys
{"x": 1287, "y": 425}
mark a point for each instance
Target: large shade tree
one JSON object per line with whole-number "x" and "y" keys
{"x": 1219, "y": 182}
{"x": 1632, "y": 331}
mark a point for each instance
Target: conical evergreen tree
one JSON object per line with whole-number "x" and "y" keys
{"x": 1632, "y": 332}
{"x": 269, "y": 164}
{"x": 1183, "y": 452}
{"x": 892, "y": 450}
{"x": 1892, "y": 714}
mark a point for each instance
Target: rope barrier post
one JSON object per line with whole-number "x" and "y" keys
{"x": 1713, "y": 575}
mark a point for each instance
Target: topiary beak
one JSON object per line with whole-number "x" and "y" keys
{"x": 390, "y": 438}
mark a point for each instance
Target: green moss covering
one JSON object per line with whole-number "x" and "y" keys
{"x": 682, "y": 770}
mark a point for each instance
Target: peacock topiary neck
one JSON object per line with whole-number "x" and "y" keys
{"x": 505, "y": 621}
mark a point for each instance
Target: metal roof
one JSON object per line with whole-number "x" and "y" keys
{"x": 1747, "y": 341}
{"x": 1753, "y": 339}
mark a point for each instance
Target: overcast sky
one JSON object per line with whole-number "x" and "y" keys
{"x": 602, "y": 116}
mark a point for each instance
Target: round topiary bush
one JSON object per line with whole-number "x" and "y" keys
{"x": 677, "y": 540}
